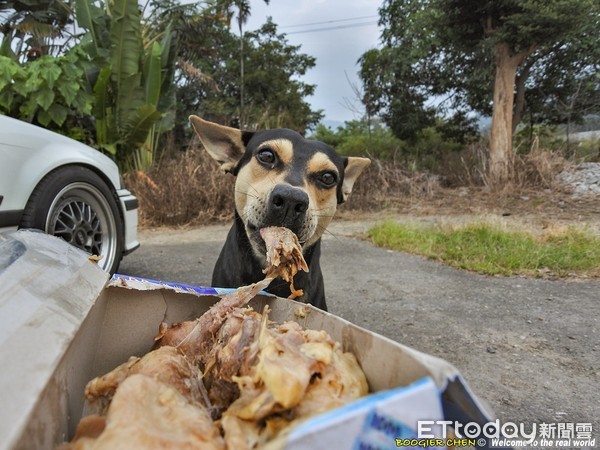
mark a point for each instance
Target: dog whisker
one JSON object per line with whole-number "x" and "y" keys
{"x": 240, "y": 182}
{"x": 248, "y": 194}
{"x": 327, "y": 216}
{"x": 317, "y": 213}
{"x": 325, "y": 230}
{"x": 325, "y": 208}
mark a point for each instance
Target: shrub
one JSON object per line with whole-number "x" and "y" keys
{"x": 182, "y": 189}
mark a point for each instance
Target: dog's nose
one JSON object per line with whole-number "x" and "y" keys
{"x": 288, "y": 204}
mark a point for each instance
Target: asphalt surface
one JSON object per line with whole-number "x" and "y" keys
{"x": 529, "y": 347}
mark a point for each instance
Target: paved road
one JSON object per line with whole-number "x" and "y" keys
{"x": 530, "y": 347}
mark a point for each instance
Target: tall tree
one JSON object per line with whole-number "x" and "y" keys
{"x": 31, "y": 27}
{"x": 243, "y": 7}
{"x": 274, "y": 96}
{"x": 243, "y": 10}
{"x": 243, "y": 14}
{"x": 474, "y": 55}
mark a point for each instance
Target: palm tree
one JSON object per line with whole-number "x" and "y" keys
{"x": 243, "y": 7}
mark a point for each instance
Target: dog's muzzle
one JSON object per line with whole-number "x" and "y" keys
{"x": 284, "y": 206}
{"x": 287, "y": 207}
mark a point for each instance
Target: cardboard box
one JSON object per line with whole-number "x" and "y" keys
{"x": 62, "y": 322}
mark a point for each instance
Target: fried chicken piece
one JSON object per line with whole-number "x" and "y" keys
{"x": 165, "y": 364}
{"x": 340, "y": 381}
{"x": 279, "y": 378}
{"x": 234, "y": 353}
{"x": 299, "y": 373}
{"x": 148, "y": 414}
{"x": 195, "y": 338}
{"x": 241, "y": 434}
{"x": 284, "y": 256}
{"x": 90, "y": 427}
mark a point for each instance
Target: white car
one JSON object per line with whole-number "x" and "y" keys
{"x": 67, "y": 189}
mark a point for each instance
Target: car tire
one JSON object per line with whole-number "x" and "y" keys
{"x": 75, "y": 204}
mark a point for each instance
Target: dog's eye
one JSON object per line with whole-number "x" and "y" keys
{"x": 266, "y": 156}
{"x": 328, "y": 178}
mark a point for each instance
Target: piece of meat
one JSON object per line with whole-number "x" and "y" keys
{"x": 90, "y": 427}
{"x": 281, "y": 376}
{"x": 284, "y": 256}
{"x": 165, "y": 364}
{"x": 234, "y": 353}
{"x": 148, "y": 414}
{"x": 101, "y": 389}
{"x": 299, "y": 373}
{"x": 195, "y": 338}
{"x": 241, "y": 434}
{"x": 340, "y": 381}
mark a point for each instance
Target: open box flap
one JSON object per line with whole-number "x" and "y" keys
{"x": 45, "y": 281}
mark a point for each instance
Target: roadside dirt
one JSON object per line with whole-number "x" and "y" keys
{"x": 529, "y": 347}
{"x": 524, "y": 209}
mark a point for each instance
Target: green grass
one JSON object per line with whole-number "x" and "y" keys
{"x": 490, "y": 250}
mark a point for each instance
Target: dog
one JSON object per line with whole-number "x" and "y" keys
{"x": 284, "y": 180}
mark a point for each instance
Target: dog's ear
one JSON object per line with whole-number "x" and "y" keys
{"x": 226, "y": 145}
{"x": 354, "y": 167}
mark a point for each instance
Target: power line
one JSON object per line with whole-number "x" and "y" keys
{"x": 339, "y": 27}
{"x": 327, "y": 21}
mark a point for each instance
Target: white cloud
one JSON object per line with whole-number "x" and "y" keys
{"x": 336, "y": 50}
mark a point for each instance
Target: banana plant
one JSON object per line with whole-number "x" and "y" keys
{"x": 158, "y": 75}
{"x": 132, "y": 81}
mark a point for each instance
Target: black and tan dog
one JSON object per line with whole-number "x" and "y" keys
{"x": 282, "y": 180}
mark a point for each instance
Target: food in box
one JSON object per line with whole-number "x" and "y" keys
{"x": 94, "y": 328}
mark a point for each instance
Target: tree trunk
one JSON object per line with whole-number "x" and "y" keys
{"x": 519, "y": 107}
{"x": 242, "y": 118}
{"x": 501, "y": 133}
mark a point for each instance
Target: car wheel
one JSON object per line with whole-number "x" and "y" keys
{"x": 75, "y": 204}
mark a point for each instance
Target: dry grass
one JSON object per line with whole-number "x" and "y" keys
{"x": 536, "y": 169}
{"x": 187, "y": 188}
{"x": 184, "y": 189}
{"x": 385, "y": 184}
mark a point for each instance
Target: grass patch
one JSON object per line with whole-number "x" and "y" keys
{"x": 490, "y": 250}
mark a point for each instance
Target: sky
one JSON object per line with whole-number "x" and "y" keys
{"x": 348, "y": 28}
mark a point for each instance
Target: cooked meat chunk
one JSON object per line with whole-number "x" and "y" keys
{"x": 284, "y": 255}
{"x": 149, "y": 414}
{"x": 165, "y": 364}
